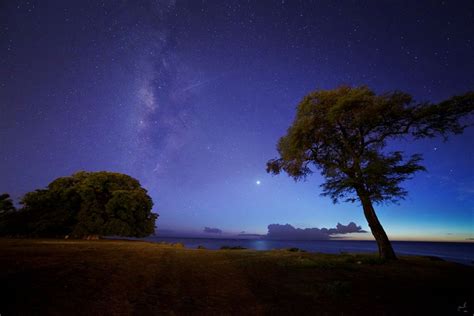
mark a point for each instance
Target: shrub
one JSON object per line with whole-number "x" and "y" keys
{"x": 232, "y": 248}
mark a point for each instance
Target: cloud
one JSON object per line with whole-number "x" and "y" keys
{"x": 288, "y": 232}
{"x": 346, "y": 229}
{"x": 212, "y": 230}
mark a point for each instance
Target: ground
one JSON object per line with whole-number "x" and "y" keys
{"x": 68, "y": 277}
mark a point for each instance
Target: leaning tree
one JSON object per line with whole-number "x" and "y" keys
{"x": 344, "y": 132}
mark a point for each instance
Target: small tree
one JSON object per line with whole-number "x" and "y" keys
{"x": 343, "y": 133}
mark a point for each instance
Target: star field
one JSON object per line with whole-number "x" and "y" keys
{"x": 190, "y": 97}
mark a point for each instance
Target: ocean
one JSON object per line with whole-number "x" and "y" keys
{"x": 449, "y": 251}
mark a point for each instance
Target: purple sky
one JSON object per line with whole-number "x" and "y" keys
{"x": 190, "y": 97}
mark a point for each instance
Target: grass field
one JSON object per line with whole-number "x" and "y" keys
{"x": 68, "y": 277}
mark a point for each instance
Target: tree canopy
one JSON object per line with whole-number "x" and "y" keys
{"x": 344, "y": 132}
{"x": 87, "y": 203}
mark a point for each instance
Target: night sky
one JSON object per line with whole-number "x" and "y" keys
{"x": 190, "y": 97}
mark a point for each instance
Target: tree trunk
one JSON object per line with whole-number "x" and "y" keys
{"x": 385, "y": 247}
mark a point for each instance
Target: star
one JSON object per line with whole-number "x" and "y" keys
{"x": 258, "y": 182}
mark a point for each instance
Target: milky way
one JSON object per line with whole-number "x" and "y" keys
{"x": 190, "y": 97}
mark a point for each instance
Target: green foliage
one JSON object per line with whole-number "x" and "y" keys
{"x": 344, "y": 133}
{"x": 87, "y": 203}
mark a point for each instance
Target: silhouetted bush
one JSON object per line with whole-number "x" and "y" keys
{"x": 232, "y": 248}
{"x": 294, "y": 249}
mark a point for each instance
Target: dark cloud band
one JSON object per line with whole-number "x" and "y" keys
{"x": 288, "y": 232}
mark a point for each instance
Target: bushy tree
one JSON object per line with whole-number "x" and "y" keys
{"x": 114, "y": 204}
{"x": 88, "y": 203}
{"x": 344, "y": 132}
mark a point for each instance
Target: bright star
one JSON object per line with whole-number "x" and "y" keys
{"x": 258, "y": 182}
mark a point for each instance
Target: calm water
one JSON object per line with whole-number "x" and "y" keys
{"x": 457, "y": 252}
